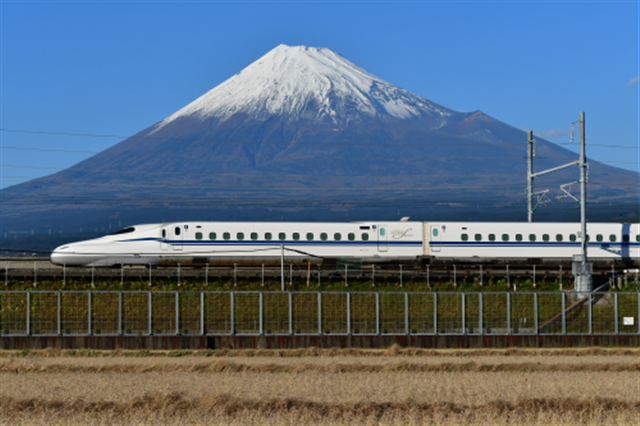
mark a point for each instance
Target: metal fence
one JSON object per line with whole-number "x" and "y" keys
{"x": 29, "y": 272}
{"x": 83, "y": 313}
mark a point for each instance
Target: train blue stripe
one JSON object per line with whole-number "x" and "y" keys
{"x": 434, "y": 244}
{"x": 468, "y": 244}
{"x": 296, "y": 243}
{"x": 274, "y": 242}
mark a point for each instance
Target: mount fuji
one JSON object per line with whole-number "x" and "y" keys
{"x": 304, "y": 134}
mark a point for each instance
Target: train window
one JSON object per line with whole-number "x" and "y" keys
{"x": 518, "y": 237}
{"x": 296, "y": 236}
{"x": 268, "y": 236}
{"x": 599, "y": 238}
{"x": 505, "y": 237}
{"x": 310, "y": 236}
{"x": 638, "y": 238}
{"x": 351, "y": 236}
{"x": 492, "y": 237}
{"x": 212, "y": 235}
{"x": 365, "y": 236}
{"x": 382, "y": 231}
{"x": 177, "y": 230}
{"x": 588, "y": 237}
{"x": 324, "y": 236}
{"x": 226, "y": 236}
{"x": 240, "y": 235}
{"x": 572, "y": 237}
{"x": 282, "y": 236}
{"x": 254, "y": 235}
{"x": 545, "y": 237}
{"x": 337, "y": 236}
{"x": 464, "y": 237}
{"x": 612, "y": 238}
{"x": 435, "y": 232}
{"x": 478, "y": 237}
{"x": 532, "y": 237}
{"x": 625, "y": 238}
{"x": 198, "y": 235}
{"x": 164, "y": 233}
{"x": 124, "y": 231}
{"x": 559, "y": 238}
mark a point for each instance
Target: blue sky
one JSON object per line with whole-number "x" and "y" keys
{"x": 115, "y": 68}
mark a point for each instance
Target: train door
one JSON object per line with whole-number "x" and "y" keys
{"x": 177, "y": 238}
{"x": 164, "y": 246}
{"x": 434, "y": 238}
{"x": 383, "y": 242}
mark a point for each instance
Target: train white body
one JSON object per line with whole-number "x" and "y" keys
{"x": 257, "y": 243}
{"x": 549, "y": 241}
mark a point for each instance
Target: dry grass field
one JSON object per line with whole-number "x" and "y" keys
{"x": 322, "y": 387}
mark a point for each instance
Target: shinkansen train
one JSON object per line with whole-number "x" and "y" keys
{"x": 255, "y": 243}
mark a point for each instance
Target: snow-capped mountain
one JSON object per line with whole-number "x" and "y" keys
{"x": 307, "y": 84}
{"x": 305, "y": 134}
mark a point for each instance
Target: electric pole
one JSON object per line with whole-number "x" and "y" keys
{"x": 584, "y": 281}
{"x": 581, "y": 268}
{"x": 530, "y": 177}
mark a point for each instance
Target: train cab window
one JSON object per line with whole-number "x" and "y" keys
{"x": 478, "y": 237}
{"x": 267, "y": 236}
{"x": 337, "y": 236}
{"x": 518, "y": 237}
{"x": 559, "y": 238}
{"x": 226, "y": 236}
{"x": 625, "y": 238}
{"x": 572, "y": 238}
{"x": 492, "y": 237}
{"x": 351, "y": 236}
{"x": 464, "y": 237}
{"x": 254, "y": 235}
{"x": 177, "y": 230}
{"x": 599, "y": 238}
{"x": 198, "y": 235}
{"x": 212, "y": 235}
{"x": 282, "y": 236}
{"x": 365, "y": 236}
{"x": 545, "y": 237}
{"x": 240, "y": 235}
{"x": 309, "y": 236}
{"x": 612, "y": 238}
{"x": 296, "y": 236}
{"x": 505, "y": 237}
{"x": 324, "y": 236}
{"x": 532, "y": 237}
{"x": 124, "y": 231}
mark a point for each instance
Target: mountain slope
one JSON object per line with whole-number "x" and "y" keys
{"x": 304, "y": 134}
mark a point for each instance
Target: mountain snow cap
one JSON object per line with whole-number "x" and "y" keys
{"x": 299, "y": 82}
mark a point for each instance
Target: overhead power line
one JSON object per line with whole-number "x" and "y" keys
{"x": 151, "y": 138}
{"x": 273, "y": 157}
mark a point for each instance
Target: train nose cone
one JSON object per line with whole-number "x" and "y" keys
{"x": 60, "y": 256}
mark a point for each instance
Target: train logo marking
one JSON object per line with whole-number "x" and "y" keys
{"x": 397, "y": 234}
